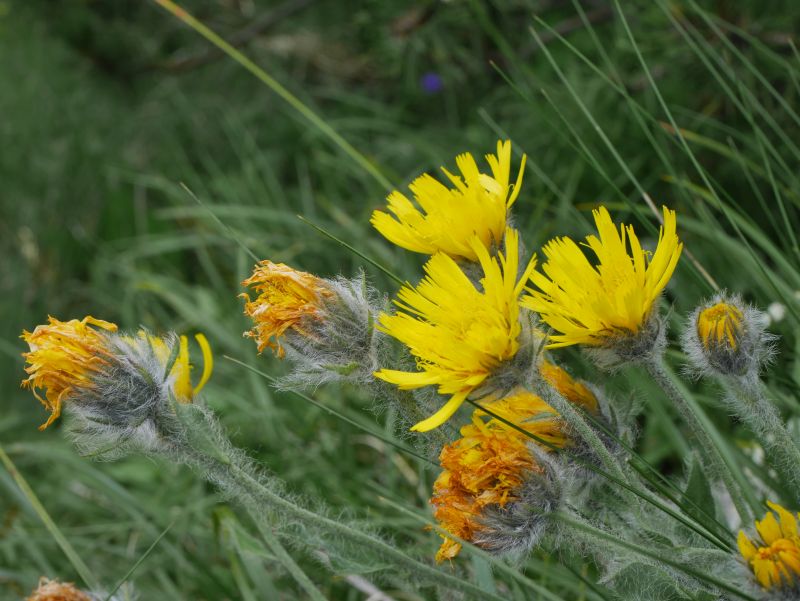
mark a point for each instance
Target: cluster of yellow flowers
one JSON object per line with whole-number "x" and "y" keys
{"x": 465, "y": 323}
{"x": 461, "y": 330}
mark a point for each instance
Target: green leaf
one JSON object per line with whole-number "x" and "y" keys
{"x": 698, "y": 494}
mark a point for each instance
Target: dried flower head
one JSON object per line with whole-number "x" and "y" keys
{"x": 286, "y": 299}
{"x": 447, "y": 219}
{"x": 600, "y": 305}
{"x": 774, "y": 557}
{"x": 112, "y": 380}
{"x": 460, "y": 334}
{"x": 486, "y": 471}
{"x": 725, "y": 336}
{"x": 63, "y": 358}
{"x": 53, "y": 590}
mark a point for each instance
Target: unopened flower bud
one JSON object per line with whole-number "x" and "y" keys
{"x": 726, "y": 337}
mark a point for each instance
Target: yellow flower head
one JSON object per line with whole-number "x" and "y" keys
{"x": 572, "y": 390}
{"x": 488, "y": 464}
{"x": 458, "y": 333}
{"x": 588, "y": 304}
{"x": 66, "y": 358}
{"x": 775, "y": 558}
{"x": 447, "y": 219}
{"x": 720, "y": 326}
{"x": 53, "y": 590}
{"x": 63, "y": 357}
{"x": 285, "y": 299}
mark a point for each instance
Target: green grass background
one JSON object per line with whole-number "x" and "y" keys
{"x": 106, "y": 119}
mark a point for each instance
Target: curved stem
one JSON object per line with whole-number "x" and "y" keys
{"x": 243, "y": 479}
{"x": 705, "y": 436}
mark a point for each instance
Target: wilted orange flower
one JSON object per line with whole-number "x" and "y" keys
{"x": 572, "y": 390}
{"x": 52, "y": 590}
{"x": 488, "y": 464}
{"x": 775, "y": 559}
{"x": 62, "y": 358}
{"x": 286, "y": 298}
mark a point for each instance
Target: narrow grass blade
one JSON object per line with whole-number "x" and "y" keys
{"x": 278, "y": 88}
{"x": 80, "y": 567}
{"x": 139, "y": 561}
{"x": 353, "y": 250}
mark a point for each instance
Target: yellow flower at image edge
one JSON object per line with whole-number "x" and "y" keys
{"x": 720, "y": 325}
{"x": 587, "y": 304}
{"x": 449, "y": 218}
{"x": 66, "y": 357}
{"x": 63, "y": 357}
{"x": 285, "y": 299}
{"x": 775, "y": 559}
{"x": 458, "y": 334}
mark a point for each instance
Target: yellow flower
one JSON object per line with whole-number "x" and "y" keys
{"x": 775, "y": 558}
{"x": 285, "y": 299}
{"x": 720, "y": 325}
{"x": 449, "y": 218}
{"x": 53, "y": 590}
{"x": 458, "y": 333}
{"x": 66, "y": 357}
{"x": 63, "y": 357}
{"x": 488, "y": 464}
{"x": 588, "y": 304}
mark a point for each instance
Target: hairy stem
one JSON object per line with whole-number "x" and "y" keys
{"x": 575, "y": 419}
{"x": 737, "y": 487}
{"x": 595, "y": 535}
{"x": 250, "y": 482}
{"x": 283, "y": 556}
{"x": 212, "y": 455}
{"x": 748, "y": 402}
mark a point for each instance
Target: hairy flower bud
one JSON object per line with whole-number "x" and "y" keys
{"x": 117, "y": 388}
{"x": 726, "y": 337}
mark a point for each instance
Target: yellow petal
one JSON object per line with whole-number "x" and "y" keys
{"x": 442, "y": 415}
